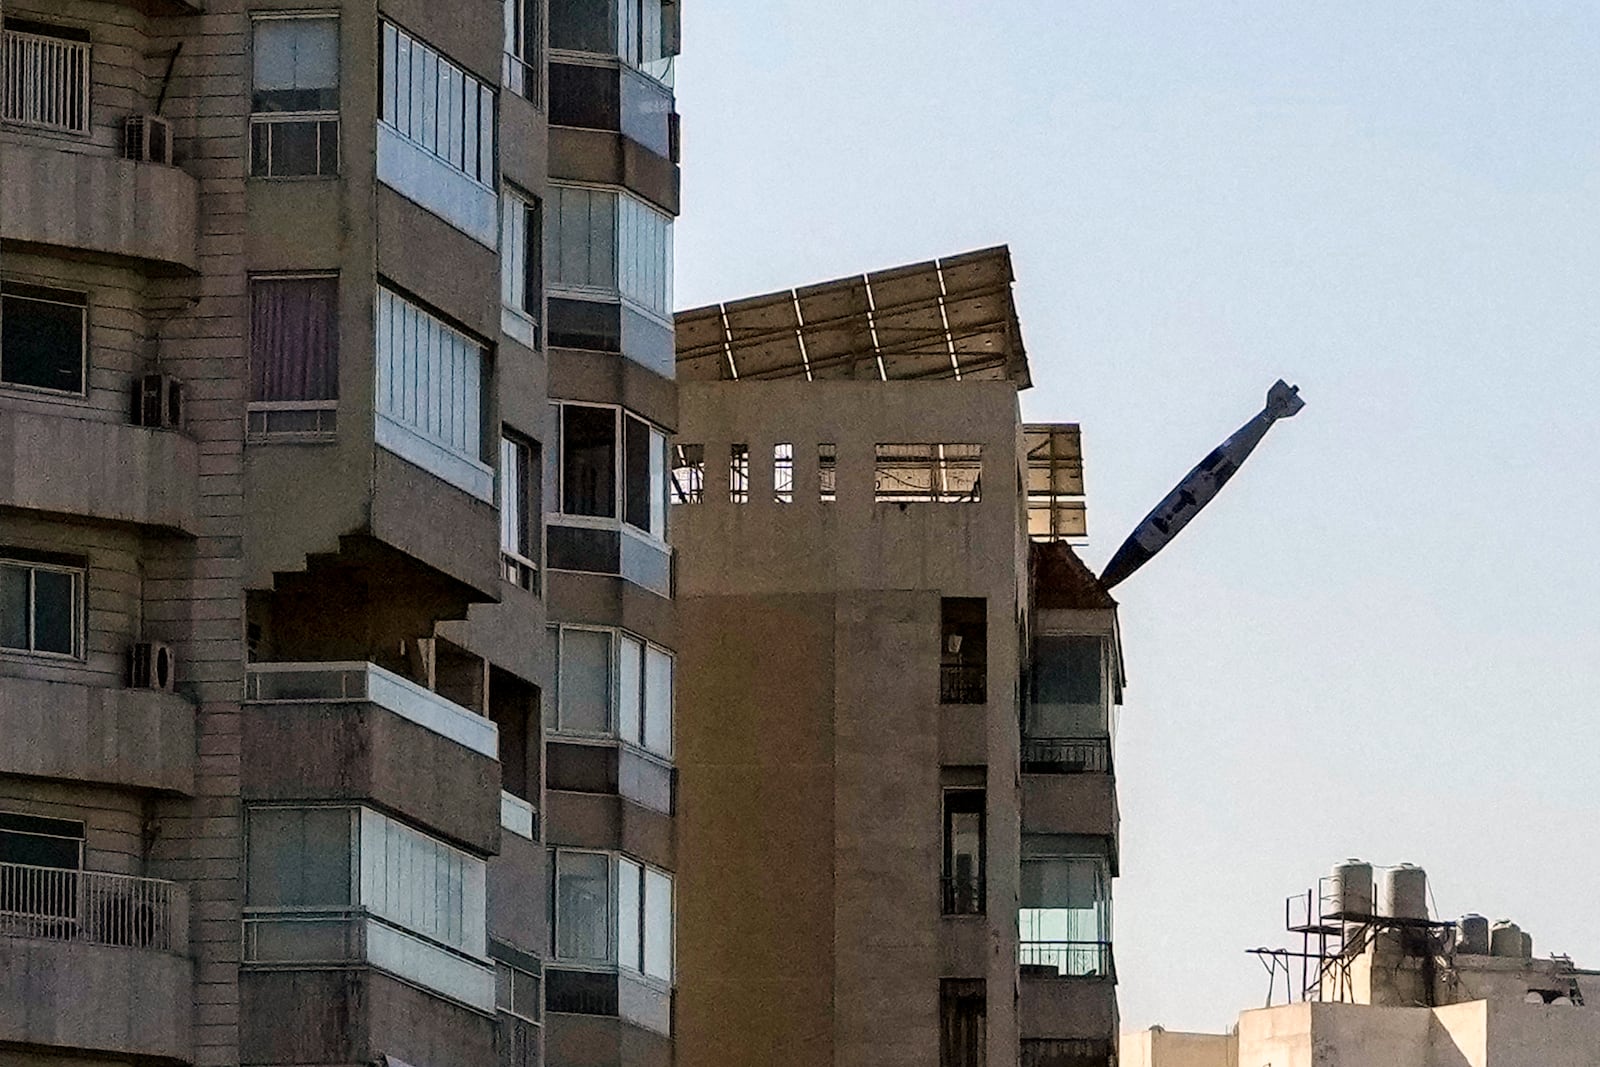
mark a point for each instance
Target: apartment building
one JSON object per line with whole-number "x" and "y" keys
{"x": 336, "y": 632}
{"x": 897, "y": 692}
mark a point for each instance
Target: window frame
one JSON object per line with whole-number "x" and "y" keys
{"x": 485, "y": 169}
{"x": 614, "y": 291}
{"x": 616, "y": 716}
{"x": 531, "y": 285}
{"x": 327, "y": 427}
{"x": 522, "y": 74}
{"x": 659, "y": 508}
{"x": 83, "y": 92}
{"x": 615, "y": 920}
{"x": 522, "y": 562}
{"x": 79, "y": 573}
{"x": 319, "y": 117}
{"x": 610, "y": 958}
{"x": 16, "y": 288}
{"x": 948, "y": 810}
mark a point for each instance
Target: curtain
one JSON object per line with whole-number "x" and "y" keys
{"x": 294, "y": 339}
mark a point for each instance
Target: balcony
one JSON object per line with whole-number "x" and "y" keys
{"x": 1066, "y": 755}
{"x": 1069, "y": 997}
{"x": 134, "y": 738}
{"x": 100, "y": 204}
{"x": 963, "y": 683}
{"x": 99, "y": 470}
{"x": 354, "y": 731}
{"x": 95, "y": 963}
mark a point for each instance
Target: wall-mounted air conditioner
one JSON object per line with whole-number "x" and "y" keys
{"x": 158, "y": 402}
{"x": 151, "y": 666}
{"x": 147, "y": 138}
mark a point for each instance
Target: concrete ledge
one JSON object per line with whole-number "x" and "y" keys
{"x": 91, "y": 998}
{"x": 142, "y": 211}
{"x": 1069, "y": 1007}
{"x": 99, "y": 470}
{"x": 1069, "y": 804}
{"x": 124, "y": 737}
{"x": 603, "y": 1041}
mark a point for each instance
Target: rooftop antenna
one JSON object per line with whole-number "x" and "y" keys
{"x": 1199, "y": 486}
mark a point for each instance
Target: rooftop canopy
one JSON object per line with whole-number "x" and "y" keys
{"x": 947, "y": 318}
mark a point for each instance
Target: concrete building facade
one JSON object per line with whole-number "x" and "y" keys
{"x": 897, "y": 826}
{"x": 335, "y": 386}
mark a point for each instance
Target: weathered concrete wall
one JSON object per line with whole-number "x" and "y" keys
{"x": 126, "y": 737}
{"x": 1176, "y": 1048}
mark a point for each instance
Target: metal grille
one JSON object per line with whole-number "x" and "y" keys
{"x": 963, "y": 683}
{"x": 46, "y": 81}
{"x": 1067, "y": 959}
{"x": 1066, "y": 755}
{"x": 1067, "y": 1052}
{"x": 60, "y": 904}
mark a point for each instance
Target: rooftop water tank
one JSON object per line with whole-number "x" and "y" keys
{"x": 1527, "y": 945}
{"x": 1505, "y": 939}
{"x": 1472, "y": 935}
{"x": 1350, "y": 888}
{"x": 1405, "y": 892}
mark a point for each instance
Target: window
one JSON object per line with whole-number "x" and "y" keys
{"x": 41, "y": 608}
{"x": 47, "y": 71}
{"x": 299, "y": 857}
{"x": 944, "y": 473}
{"x": 1065, "y": 915}
{"x": 783, "y": 473}
{"x": 516, "y": 992}
{"x": 638, "y": 32}
{"x": 519, "y": 521}
{"x": 688, "y": 474}
{"x": 644, "y": 920}
{"x": 582, "y": 904}
{"x": 634, "y": 704}
{"x": 601, "y": 243}
{"x": 437, "y": 106}
{"x": 294, "y": 125}
{"x": 645, "y": 484}
{"x": 964, "y": 852}
{"x": 430, "y": 394}
{"x": 522, "y": 265}
{"x": 33, "y": 841}
{"x": 828, "y": 472}
{"x": 590, "y": 452}
{"x": 294, "y": 356}
{"x": 43, "y": 337}
{"x": 523, "y": 34}
{"x": 739, "y": 473}
{"x": 963, "y": 650}
{"x": 39, "y": 897}
{"x": 1068, "y": 687}
{"x": 963, "y": 1022}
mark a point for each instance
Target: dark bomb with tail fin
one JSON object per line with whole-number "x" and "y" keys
{"x": 1199, "y": 486}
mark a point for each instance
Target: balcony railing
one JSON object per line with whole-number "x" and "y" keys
{"x": 44, "y": 81}
{"x": 963, "y": 683}
{"x": 58, "y": 904}
{"x": 962, "y": 896}
{"x": 1067, "y": 1052}
{"x": 333, "y": 683}
{"x": 1066, "y": 755}
{"x": 1067, "y": 959}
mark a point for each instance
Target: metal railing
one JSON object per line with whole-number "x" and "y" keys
{"x": 1067, "y": 1052}
{"x": 963, "y": 683}
{"x": 1067, "y": 959}
{"x": 962, "y": 896}
{"x": 59, "y": 904}
{"x": 1066, "y": 755}
{"x": 44, "y": 81}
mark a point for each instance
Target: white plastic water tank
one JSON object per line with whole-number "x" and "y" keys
{"x": 1350, "y": 888}
{"x": 1405, "y": 892}
{"x": 1472, "y": 935}
{"x": 1505, "y": 939}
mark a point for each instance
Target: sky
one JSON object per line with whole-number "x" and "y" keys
{"x": 1381, "y": 639}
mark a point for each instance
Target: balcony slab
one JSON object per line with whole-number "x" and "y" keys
{"x": 143, "y": 211}
{"x": 136, "y": 738}
{"x": 1057, "y": 1007}
{"x": 91, "y": 469}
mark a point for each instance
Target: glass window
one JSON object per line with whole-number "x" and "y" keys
{"x": 39, "y": 842}
{"x": 522, "y": 48}
{"x": 964, "y": 852}
{"x": 294, "y": 130}
{"x": 584, "y": 25}
{"x": 644, "y": 252}
{"x": 437, "y": 105}
{"x": 521, "y": 254}
{"x": 418, "y": 882}
{"x": 517, "y": 991}
{"x": 630, "y": 915}
{"x": 41, "y": 608}
{"x": 520, "y": 471}
{"x": 582, "y": 239}
{"x": 585, "y": 96}
{"x": 298, "y": 857}
{"x": 658, "y": 925}
{"x": 430, "y": 376}
{"x": 631, "y": 689}
{"x": 589, "y": 461}
{"x": 1065, "y": 914}
{"x": 294, "y": 354}
{"x": 1069, "y": 698}
{"x": 42, "y": 337}
{"x": 645, "y": 464}
{"x": 658, "y": 701}
{"x": 583, "y": 899}
{"x": 585, "y": 681}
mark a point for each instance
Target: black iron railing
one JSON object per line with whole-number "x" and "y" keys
{"x": 1067, "y": 959}
{"x": 963, "y": 683}
{"x": 1067, "y": 1052}
{"x": 962, "y": 896}
{"x": 1066, "y": 755}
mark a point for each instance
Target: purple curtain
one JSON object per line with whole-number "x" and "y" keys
{"x": 294, "y": 339}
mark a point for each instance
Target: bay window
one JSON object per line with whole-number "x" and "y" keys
{"x": 610, "y": 683}
{"x": 606, "y": 245}
{"x": 431, "y": 394}
{"x": 613, "y": 910}
{"x": 436, "y": 135}
{"x": 294, "y": 121}
{"x": 641, "y": 33}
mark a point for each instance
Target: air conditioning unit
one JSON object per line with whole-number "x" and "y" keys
{"x": 151, "y": 666}
{"x": 158, "y": 402}
{"x": 147, "y": 138}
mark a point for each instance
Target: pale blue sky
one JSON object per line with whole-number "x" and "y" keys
{"x": 1382, "y": 639}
